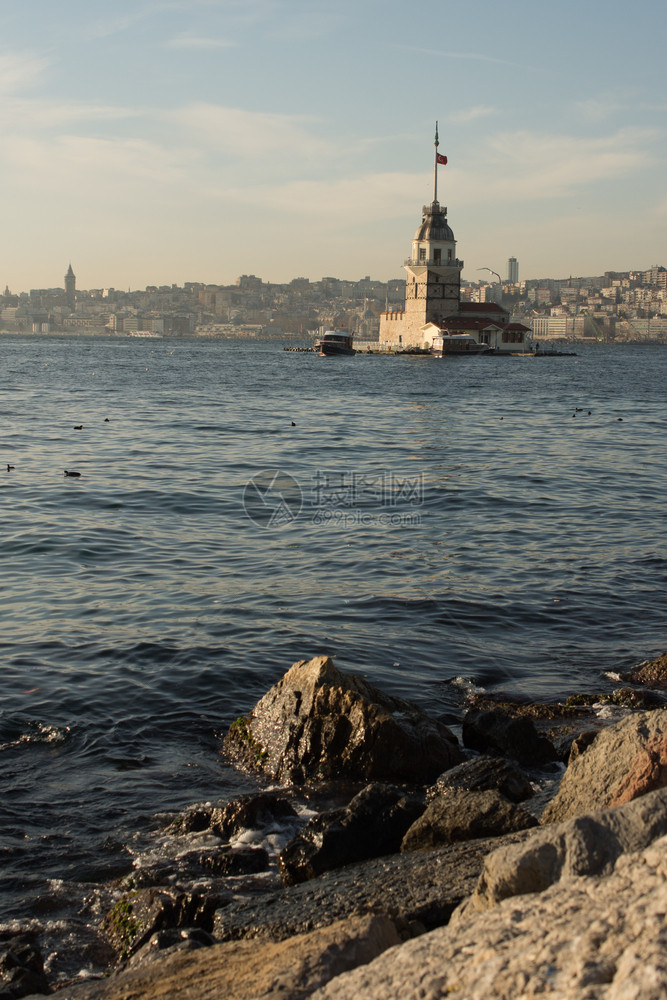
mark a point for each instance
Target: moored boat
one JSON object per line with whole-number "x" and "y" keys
{"x": 335, "y": 342}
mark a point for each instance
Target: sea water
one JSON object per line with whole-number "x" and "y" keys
{"x": 429, "y": 523}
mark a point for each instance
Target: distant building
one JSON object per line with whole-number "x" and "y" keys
{"x": 70, "y": 289}
{"x": 513, "y": 271}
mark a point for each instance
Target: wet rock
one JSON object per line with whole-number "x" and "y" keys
{"x": 650, "y": 673}
{"x": 459, "y": 814}
{"x": 500, "y": 733}
{"x": 586, "y": 845}
{"x": 253, "y": 812}
{"x": 422, "y": 888}
{"x": 169, "y": 941}
{"x": 21, "y": 967}
{"x": 211, "y": 863}
{"x": 250, "y": 970}
{"x": 371, "y": 825}
{"x": 627, "y": 697}
{"x": 623, "y": 762}
{"x": 225, "y": 860}
{"x": 484, "y": 773}
{"x": 139, "y": 914}
{"x": 573, "y": 707}
{"x": 318, "y": 723}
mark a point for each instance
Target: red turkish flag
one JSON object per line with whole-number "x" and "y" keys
{"x": 439, "y": 158}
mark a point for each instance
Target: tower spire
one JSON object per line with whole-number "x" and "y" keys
{"x": 435, "y": 165}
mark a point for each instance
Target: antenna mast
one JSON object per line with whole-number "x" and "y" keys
{"x": 435, "y": 165}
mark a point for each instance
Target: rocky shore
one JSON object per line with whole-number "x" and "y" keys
{"x": 525, "y": 854}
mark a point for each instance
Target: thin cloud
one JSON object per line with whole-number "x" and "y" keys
{"x": 192, "y": 42}
{"x": 344, "y": 201}
{"x": 20, "y": 70}
{"x": 24, "y": 114}
{"x": 77, "y": 166}
{"x": 251, "y": 134}
{"x": 472, "y": 114}
{"x": 475, "y": 56}
{"x": 600, "y": 108}
{"x": 523, "y": 165}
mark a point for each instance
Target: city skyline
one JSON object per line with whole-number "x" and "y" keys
{"x": 165, "y": 141}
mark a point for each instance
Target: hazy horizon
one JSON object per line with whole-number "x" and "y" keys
{"x": 168, "y": 141}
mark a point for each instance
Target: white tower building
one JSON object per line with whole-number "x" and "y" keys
{"x": 433, "y": 274}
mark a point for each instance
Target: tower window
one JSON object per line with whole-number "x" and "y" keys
{"x": 449, "y": 255}
{"x": 422, "y": 253}
{"x": 436, "y": 256}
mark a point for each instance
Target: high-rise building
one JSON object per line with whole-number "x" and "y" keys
{"x": 513, "y": 271}
{"x": 70, "y": 289}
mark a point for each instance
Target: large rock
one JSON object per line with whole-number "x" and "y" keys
{"x": 423, "y": 888}
{"x": 585, "y": 845}
{"x": 371, "y": 825}
{"x": 458, "y": 814}
{"x": 319, "y": 724}
{"x": 623, "y": 762}
{"x": 249, "y": 970}
{"x": 583, "y": 939}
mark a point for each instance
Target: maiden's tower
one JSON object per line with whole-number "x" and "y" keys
{"x": 433, "y": 308}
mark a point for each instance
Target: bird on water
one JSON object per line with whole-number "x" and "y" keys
{"x": 72, "y": 473}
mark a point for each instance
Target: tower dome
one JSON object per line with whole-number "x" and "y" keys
{"x": 434, "y": 225}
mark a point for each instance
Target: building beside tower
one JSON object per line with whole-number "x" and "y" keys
{"x": 513, "y": 271}
{"x": 433, "y": 308}
{"x": 70, "y": 289}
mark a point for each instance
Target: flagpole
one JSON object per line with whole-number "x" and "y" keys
{"x": 435, "y": 166}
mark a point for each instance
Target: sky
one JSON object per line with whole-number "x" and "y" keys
{"x": 154, "y": 142}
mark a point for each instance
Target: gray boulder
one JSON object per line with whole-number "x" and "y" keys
{"x": 319, "y": 724}
{"x": 457, "y": 814}
{"x": 585, "y": 845}
{"x": 623, "y": 762}
{"x": 583, "y": 939}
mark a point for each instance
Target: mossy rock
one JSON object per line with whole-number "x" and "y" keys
{"x": 650, "y": 673}
{"x": 242, "y": 746}
{"x": 139, "y": 914}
